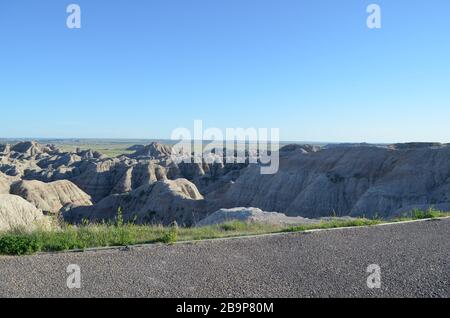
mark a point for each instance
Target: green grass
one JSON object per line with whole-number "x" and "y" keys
{"x": 118, "y": 233}
{"x": 16, "y": 244}
{"x": 103, "y": 235}
{"x": 418, "y": 214}
{"x": 109, "y": 150}
{"x": 333, "y": 224}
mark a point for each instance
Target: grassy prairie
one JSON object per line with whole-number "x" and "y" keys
{"x": 68, "y": 237}
{"x": 110, "y": 150}
{"x": 113, "y": 147}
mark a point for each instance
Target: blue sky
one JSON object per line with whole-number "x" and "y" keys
{"x": 141, "y": 68}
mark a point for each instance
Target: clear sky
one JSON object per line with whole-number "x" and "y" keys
{"x": 141, "y": 68}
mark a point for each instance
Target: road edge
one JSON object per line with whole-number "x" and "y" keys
{"x": 219, "y": 239}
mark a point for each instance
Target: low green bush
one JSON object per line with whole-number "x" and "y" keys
{"x": 431, "y": 213}
{"x": 16, "y": 244}
{"x": 170, "y": 236}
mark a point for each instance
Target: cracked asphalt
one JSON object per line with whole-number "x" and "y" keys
{"x": 413, "y": 257}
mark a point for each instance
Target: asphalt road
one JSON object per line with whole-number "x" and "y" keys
{"x": 413, "y": 258}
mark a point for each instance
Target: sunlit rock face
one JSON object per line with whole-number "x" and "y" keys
{"x": 149, "y": 186}
{"x": 357, "y": 181}
{"x": 161, "y": 202}
{"x": 17, "y": 213}
{"x": 51, "y": 197}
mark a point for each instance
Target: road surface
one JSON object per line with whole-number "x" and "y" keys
{"x": 413, "y": 259}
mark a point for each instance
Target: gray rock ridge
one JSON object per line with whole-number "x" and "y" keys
{"x": 254, "y": 215}
{"x": 356, "y": 181}
{"x": 154, "y": 150}
{"x": 312, "y": 182}
{"x": 161, "y": 202}
{"x": 5, "y": 149}
{"x": 17, "y": 213}
{"x": 6, "y": 182}
{"x": 51, "y": 197}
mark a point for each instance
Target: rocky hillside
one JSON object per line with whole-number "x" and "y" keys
{"x": 16, "y": 213}
{"x": 5, "y": 183}
{"x": 51, "y": 197}
{"x": 148, "y": 186}
{"x": 159, "y": 202}
{"x": 355, "y": 181}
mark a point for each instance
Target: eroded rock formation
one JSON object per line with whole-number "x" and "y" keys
{"x": 51, "y": 197}
{"x": 356, "y": 181}
{"x": 16, "y": 213}
{"x": 160, "y": 202}
{"x": 149, "y": 186}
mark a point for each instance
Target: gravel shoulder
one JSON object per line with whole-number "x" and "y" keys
{"x": 414, "y": 259}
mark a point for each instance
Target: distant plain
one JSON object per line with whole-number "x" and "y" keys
{"x": 117, "y": 147}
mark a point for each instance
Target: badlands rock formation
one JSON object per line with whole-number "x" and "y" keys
{"x": 16, "y": 213}
{"x": 5, "y": 183}
{"x": 143, "y": 173}
{"x": 357, "y": 181}
{"x": 160, "y": 202}
{"x": 312, "y": 182}
{"x": 253, "y": 215}
{"x": 51, "y": 197}
{"x": 154, "y": 150}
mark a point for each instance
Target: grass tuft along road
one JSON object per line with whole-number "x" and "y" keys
{"x": 65, "y": 237}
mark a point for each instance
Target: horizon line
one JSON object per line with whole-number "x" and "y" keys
{"x": 122, "y": 140}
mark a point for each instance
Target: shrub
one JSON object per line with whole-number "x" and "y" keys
{"x": 18, "y": 245}
{"x": 171, "y": 235}
{"x": 431, "y": 213}
{"x": 119, "y": 217}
